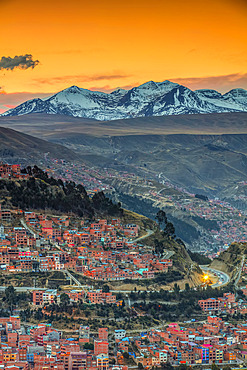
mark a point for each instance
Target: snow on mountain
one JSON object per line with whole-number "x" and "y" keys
{"x": 238, "y": 97}
{"x": 233, "y": 100}
{"x": 149, "y": 99}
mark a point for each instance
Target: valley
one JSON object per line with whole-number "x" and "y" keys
{"x": 153, "y": 163}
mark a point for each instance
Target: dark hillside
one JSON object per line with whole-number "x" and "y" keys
{"x": 16, "y": 146}
{"x": 42, "y": 192}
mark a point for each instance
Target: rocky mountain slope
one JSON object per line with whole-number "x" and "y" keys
{"x": 211, "y": 164}
{"x": 231, "y": 261}
{"x": 20, "y": 148}
{"x": 148, "y": 99}
{"x": 207, "y": 164}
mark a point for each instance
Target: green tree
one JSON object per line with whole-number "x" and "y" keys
{"x": 215, "y": 367}
{"x": 64, "y": 299}
{"x": 187, "y": 287}
{"x": 10, "y": 297}
{"x": 88, "y": 346}
{"x": 176, "y": 289}
{"x": 105, "y": 288}
{"x": 161, "y": 217}
{"x": 169, "y": 230}
{"x": 38, "y": 314}
{"x": 158, "y": 247}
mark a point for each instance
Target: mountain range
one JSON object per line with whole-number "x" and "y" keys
{"x": 146, "y": 100}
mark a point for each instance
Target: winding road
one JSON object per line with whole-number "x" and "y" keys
{"x": 223, "y": 278}
{"x": 238, "y": 274}
{"x": 149, "y": 232}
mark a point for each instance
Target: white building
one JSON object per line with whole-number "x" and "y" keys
{"x": 120, "y": 334}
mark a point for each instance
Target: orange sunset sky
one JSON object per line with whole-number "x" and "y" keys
{"x": 106, "y": 44}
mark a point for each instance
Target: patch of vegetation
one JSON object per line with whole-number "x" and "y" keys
{"x": 168, "y": 277}
{"x": 199, "y": 258}
{"x": 11, "y": 299}
{"x": 182, "y": 304}
{"x": 202, "y": 197}
{"x": 206, "y": 224}
{"x": 184, "y": 230}
{"x": 43, "y": 192}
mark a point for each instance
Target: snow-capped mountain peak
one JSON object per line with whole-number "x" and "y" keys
{"x": 149, "y": 99}
{"x": 118, "y": 92}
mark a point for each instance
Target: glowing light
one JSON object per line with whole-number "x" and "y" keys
{"x": 205, "y": 277}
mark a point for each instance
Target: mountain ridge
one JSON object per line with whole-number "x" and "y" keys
{"x": 146, "y": 100}
{"x": 15, "y": 145}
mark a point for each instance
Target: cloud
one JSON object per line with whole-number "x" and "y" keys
{"x": 19, "y": 61}
{"x": 222, "y": 83}
{"x": 9, "y": 106}
{"x": 81, "y": 78}
{"x": 11, "y": 100}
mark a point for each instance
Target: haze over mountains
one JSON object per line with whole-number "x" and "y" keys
{"x": 202, "y": 153}
{"x": 196, "y": 139}
{"x": 146, "y": 100}
{"x": 205, "y": 153}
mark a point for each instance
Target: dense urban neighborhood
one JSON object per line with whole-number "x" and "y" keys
{"x": 123, "y": 185}
{"x": 82, "y": 323}
{"x": 213, "y": 341}
{"x": 208, "y": 225}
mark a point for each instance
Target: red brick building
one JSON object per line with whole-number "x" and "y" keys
{"x": 210, "y": 304}
{"x": 100, "y": 346}
{"x": 103, "y": 334}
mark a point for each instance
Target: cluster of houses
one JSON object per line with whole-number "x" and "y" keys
{"x": 41, "y": 297}
{"x": 11, "y": 171}
{"x": 211, "y": 341}
{"x": 99, "y": 250}
{"x": 225, "y": 304}
{"x": 43, "y": 347}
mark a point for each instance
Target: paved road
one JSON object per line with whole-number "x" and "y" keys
{"x": 238, "y": 274}
{"x": 168, "y": 254}
{"x": 22, "y": 288}
{"x": 29, "y": 288}
{"x": 223, "y": 278}
{"x": 28, "y": 228}
{"x": 161, "y": 190}
{"x": 149, "y": 232}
